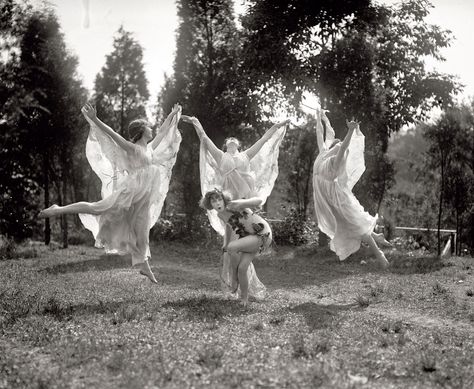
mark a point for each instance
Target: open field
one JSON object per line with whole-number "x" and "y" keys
{"x": 77, "y": 318}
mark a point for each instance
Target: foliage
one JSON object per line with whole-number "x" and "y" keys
{"x": 37, "y": 143}
{"x": 448, "y": 138}
{"x": 176, "y": 227}
{"x": 207, "y": 82}
{"x": 121, "y": 90}
{"x": 300, "y": 150}
{"x": 363, "y": 59}
{"x": 294, "y": 230}
{"x": 8, "y": 247}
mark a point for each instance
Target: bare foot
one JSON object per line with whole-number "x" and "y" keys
{"x": 48, "y": 212}
{"x": 145, "y": 270}
{"x": 380, "y": 239}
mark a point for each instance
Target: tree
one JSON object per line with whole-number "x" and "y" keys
{"x": 19, "y": 190}
{"x": 301, "y": 150}
{"x": 363, "y": 59}
{"x": 50, "y": 129}
{"x": 121, "y": 90}
{"x": 207, "y": 82}
{"x": 443, "y": 137}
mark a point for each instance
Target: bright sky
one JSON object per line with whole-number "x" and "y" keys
{"x": 154, "y": 24}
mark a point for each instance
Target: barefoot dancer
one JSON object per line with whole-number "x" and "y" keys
{"x": 336, "y": 170}
{"x": 250, "y": 174}
{"x": 135, "y": 177}
{"x": 254, "y": 235}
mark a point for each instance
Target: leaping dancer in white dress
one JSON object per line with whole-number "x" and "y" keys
{"x": 336, "y": 170}
{"x": 135, "y": 178}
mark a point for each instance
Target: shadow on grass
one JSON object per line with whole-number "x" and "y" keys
{"x": 319, "y": 316}
{"x": 298, "y": 267}
{"x": 103, "y": 263}
{"x": 403, "y": 264}
{"x": 205, "y": 308}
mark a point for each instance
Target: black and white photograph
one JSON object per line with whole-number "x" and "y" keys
{"x": 236, "y": 194}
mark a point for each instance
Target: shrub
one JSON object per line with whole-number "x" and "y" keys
{"x": 178, "y": 227}
{"x": 294, "y": 230}
{"x": 8, "y": 248}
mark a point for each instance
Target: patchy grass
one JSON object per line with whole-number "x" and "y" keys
{"x": 78, "y": 318}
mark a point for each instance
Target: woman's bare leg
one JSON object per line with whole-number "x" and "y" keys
{"x": 375, "y": 249}
{"x": 145, "y": 270}
{"x": 80, "y": 207}
{"x": 248, "y": 248}
{"x": 234, "y": 265}
{"x": 141, "y": 231}
{"x": 245, "y": 261}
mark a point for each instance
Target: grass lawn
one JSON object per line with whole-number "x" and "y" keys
{"x": 78, "y": 318}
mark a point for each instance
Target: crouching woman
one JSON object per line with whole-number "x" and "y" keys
{"x": 255, "y": 234}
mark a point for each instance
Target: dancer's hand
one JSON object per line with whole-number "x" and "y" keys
{"x": 176, "y": 108}
{"x": 284, "y": 123}
{"x": 233, "y": 205}
{"x": 189, "y": 119}
{"x": 89, "y": 111}
{"x": 352, "y": 125}
{"x": 192, "y": 120}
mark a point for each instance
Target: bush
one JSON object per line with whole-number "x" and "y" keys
{"x": 178, "y": 227}
{"x": 8, "y": 248}
{"x": 294, "y": 230}
{"x": 80, "y": 237}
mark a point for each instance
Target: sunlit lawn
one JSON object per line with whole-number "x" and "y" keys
{"x": 78, "y": 318}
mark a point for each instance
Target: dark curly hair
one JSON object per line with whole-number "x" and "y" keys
{"x": 136, "y": 128}
{"x": 205, "y": 202}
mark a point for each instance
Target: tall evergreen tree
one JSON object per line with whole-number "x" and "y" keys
{"x": 50, "y": 129}
{"x": 121, "y": 89}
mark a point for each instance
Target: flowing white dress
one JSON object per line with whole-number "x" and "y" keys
{"x": 134, "y": 186}
{"x": 339, "y": 213}
{"x": 243, "y": 178}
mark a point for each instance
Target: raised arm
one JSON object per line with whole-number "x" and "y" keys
{"x": 90, "y": 113}
{"x": 351, "y": 126}
{"x": 319, "y": 131}
{"x": 252, "y": 151}
{"x": 166, "y": 126}
{"x": 213, "y": 149}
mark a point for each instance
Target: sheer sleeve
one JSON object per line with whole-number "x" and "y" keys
{"x": 353, "y": 165}
{"x": 109, "y": 161}
{"x": 265, "y": 164}
{"x": 164, "y": 158}
{"x": 210, "y": 179}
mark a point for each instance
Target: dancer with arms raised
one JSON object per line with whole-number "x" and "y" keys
{"x": 248, "y": 174}
{"x": 135, "y": 177}
{"x": 336, "y": 170}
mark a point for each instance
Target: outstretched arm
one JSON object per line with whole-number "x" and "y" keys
{"x": 252, "y": 151}
{"x": 351, "y": 126}
{"x": 166, "y": 126}
{"x": 319, "y": 131}
{"x": 213, "y": 149}
{"x": 90, "y": 113}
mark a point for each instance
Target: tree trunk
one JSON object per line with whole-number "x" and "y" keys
{"x": 440, "y": 209}
{"x": 47, "y": 226}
